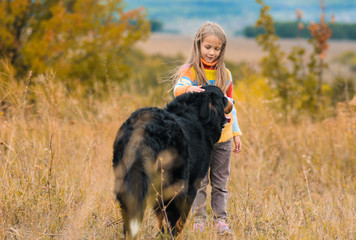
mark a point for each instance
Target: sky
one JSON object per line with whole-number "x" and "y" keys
{"x": 185, "y": 15}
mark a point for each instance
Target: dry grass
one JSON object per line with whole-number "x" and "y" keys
{"x": 56, "y": 179}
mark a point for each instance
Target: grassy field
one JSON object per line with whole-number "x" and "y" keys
{"x": 291, "y": 181}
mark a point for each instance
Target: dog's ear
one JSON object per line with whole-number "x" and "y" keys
{"x": 208, "y": 108}
{"x": 205, "y": 106}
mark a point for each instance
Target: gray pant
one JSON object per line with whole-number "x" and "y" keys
{"x": 219, "y": 175}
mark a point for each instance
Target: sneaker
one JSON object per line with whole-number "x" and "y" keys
{"x": 199, "y": 226}
{"x": 222, "y": 228}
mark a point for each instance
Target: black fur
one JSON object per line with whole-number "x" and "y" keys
{"x": 165, "y": 153}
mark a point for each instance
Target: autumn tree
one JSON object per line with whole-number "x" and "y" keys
{"x": 83, "y": 39}
{"x": 273, "y": 66}
{"x": 296, "y": 77}
{"x": 321, "y": 33}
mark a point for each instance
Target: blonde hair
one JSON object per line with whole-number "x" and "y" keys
{"x": 207, "y": 29}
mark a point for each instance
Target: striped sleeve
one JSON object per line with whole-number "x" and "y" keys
{"x": 235, "y": 125}
{"x": 186, "y": 81}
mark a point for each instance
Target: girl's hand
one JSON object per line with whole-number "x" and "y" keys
{"x": 195, "y": 89}
{"x": 237, "y": 142}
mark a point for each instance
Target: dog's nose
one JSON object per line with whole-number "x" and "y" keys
{"x": 228, "y": 119}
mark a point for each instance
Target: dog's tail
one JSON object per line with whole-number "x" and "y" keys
{"x": 133, "y": 161}
{"x": 132, "y": 183}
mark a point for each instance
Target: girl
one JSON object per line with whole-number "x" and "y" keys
{"x": 205, "y": 66}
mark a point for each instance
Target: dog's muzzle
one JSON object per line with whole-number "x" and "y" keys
{"x": 228, "y": 107}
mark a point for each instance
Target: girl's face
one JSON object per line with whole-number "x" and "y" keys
{"x": 210, "y": 48}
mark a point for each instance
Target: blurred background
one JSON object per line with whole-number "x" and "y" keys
{"x": 72, "y": 71}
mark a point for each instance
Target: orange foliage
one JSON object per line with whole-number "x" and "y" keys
{"x": 321, "y": 32}
{"x": 77, "y": 38}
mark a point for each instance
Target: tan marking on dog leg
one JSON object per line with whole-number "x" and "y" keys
{"x": 160, "y": 219}
{"x": 179, "y": 225}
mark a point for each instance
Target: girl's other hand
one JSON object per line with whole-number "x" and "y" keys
{"x": 237, "y": 142}
{"x": 195, "y": 89}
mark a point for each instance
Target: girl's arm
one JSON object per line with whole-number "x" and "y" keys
{"x": 236, "y": 132}
{"x": 235, "y": 126}
{"x": 186, "y": 84}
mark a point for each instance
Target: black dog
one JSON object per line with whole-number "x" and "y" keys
{"x": 161, "y": 155}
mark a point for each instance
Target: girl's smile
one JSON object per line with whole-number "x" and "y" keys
{"x": 210, "y": 48}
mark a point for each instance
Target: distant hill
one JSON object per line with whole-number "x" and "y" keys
{"x": 184, "y": 16}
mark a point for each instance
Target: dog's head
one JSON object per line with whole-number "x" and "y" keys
{"x": 215, "y": 105}
{"x": 216, "y": 97}
{"x": 209, "y": 107}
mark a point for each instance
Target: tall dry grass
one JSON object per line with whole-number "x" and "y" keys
{"x": 291, "y": 181}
